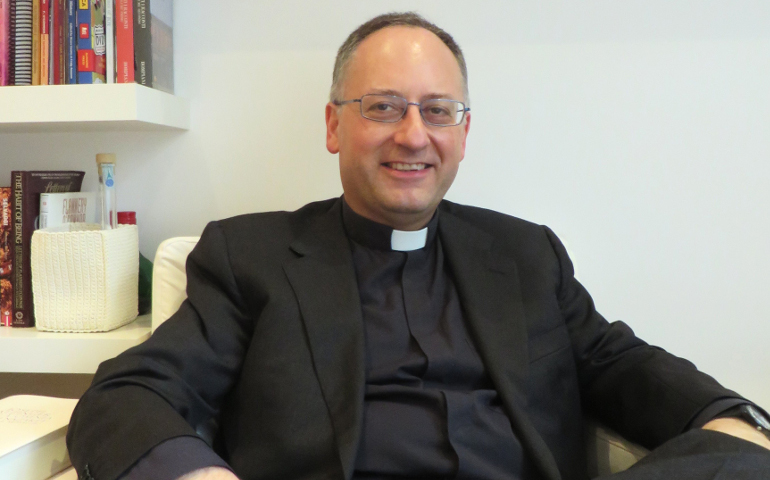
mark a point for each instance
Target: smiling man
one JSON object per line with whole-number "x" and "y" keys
{"x": 390, "y": 334}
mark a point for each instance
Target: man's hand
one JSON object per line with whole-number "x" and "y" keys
{"x": 209, "y": 473}
{"x": 738, "y": 428}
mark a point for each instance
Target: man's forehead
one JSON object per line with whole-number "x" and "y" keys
{"x": 394, "y": 54}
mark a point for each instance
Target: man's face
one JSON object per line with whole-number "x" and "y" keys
{"x": 378, "y": 160}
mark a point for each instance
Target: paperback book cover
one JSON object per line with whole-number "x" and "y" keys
{"x": 124, "y": 41}
{"x": 27, "y": 187}
{"x": 153, "y": 44}
{"x": 6, "y": 241}
{"x": 72, "y": 207}
{"x": 32, "y": 436}
{"x": 22, "y": 42}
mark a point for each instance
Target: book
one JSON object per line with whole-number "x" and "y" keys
{"x": 5, "y": 25}
{"x": 153, "y": 44}
{"x": 35, "y": 42}
{"x": 27, "y": 187}
{"x": 45, "y": 40}
{"x": 71, "y": 41}
{"x": 58, "y": 37}
{"x": 6, "y": 242}
{"x": 21, "y": 30}
{"x": 109, "y": 38}
{"x": 72, "y": 207}
{"x": 91, "y": 42}
{"x": 124, "y": 41}
{"x": 32, "y": 436}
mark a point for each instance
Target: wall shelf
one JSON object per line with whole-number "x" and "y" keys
{"x": 26, "y": 350}
{"x": 84, "y": 108}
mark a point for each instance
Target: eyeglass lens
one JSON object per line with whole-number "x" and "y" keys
{"x": 386, "y": 108}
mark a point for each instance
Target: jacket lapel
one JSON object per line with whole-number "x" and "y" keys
{"x": 324, "y": 282}
{"x": 490, "y": 292}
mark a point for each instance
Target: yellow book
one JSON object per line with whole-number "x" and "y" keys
{"x": 35, "y": 42}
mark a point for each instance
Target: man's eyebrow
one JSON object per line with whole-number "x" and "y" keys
{"x": 396, "y": 93}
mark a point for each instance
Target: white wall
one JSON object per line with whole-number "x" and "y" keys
{"x": 637, "y": 130}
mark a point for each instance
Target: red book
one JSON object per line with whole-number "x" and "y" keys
{"x": 25, "y": 204}
{"x": 124, "y": 40}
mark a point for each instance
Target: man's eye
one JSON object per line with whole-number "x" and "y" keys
{"x": 438, "y": 110}
{"x": 383, "y": 107}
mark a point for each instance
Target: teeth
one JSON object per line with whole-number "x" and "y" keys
{"x": 407, "y": 166}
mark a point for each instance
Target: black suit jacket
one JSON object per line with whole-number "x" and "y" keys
{"x": 270, "y": 343}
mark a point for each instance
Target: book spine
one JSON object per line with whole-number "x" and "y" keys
{"x": 23, "y": 42}
{"x": 35, "y": 42}
{"x": 98, "y": 41}
{"x": 109, "y": 36}
{"x": 142, "y": 43}
{"x": 71, "y": 50}
{"x": 4, "y": 37}
{"x": 57, "y": 43}
{"x": 44, "y": 42}
{"x": 22, "y": 311}
{"x": 6, "y": 256}
{"x": 11, "y": 41}
{"x": 124, "y": 40}
{"x": 86, "y": 59}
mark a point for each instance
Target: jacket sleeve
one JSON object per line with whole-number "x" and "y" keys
{"x": 642, "y": 391}
{"x": 172, "y": 383}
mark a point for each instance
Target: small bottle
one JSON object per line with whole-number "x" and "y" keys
{"x": 105, "y": 162}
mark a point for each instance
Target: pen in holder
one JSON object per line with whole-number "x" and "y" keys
{"x": 84, "y": 279}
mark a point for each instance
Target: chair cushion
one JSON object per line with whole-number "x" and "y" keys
{"x": 169, "y": 277}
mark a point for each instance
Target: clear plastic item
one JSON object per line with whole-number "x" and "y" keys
{"x": 105, "y": 162}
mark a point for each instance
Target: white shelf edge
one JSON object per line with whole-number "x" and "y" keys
{"x": 27, "y": 350}
{"x": 90, "y": 107}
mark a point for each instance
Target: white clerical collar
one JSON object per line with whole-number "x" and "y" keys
{"x": 406, "y": 241}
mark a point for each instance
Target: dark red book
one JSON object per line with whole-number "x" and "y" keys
{"x": 58, "y": 20}
{"x": 27, "y": 187}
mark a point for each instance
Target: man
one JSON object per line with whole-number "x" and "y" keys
{"x": 392, "y": 334}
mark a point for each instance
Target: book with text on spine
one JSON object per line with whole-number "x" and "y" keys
{"x": 6, "y": 265}
{"x": 153, "y": 44}
{"x": 124, "y": 41}
{"x": 72, "y": 207}
{"x": 27, "y": 187}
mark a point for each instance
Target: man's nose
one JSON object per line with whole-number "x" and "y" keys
{"x": 412, "y": 131}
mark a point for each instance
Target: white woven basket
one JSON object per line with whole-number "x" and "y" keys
{"x": 85, "y": 279}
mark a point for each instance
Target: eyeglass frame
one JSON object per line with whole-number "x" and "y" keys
{"x": 464, "y": 109}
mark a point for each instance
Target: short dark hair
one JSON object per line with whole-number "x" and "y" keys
{"x": 409, "y": 19}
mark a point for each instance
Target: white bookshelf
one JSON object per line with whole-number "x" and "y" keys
{"x": 83, "y": 108}
{"x": 26, "y": 350}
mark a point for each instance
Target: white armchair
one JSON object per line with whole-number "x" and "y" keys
{"x": 607, "y": 451}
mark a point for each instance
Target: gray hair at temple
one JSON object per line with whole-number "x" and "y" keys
{"x": 409, "y": 19}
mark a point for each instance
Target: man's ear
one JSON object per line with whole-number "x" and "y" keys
{"x": 332, "y": 122}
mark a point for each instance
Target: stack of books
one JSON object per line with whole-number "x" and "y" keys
{"x": 62, "y": 42}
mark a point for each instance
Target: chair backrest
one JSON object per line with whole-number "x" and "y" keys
{"x": 169, "y": 277}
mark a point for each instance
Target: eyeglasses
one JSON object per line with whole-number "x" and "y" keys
{"x": 390, "y": 109}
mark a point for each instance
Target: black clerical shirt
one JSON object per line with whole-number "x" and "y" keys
{"x": 430, "y": 410}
